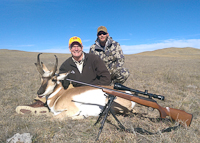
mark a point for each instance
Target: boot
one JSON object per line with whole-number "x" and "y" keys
{"x": 37, "y": 108}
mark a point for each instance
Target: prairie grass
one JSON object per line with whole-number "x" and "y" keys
{"x": 173, "y": 73}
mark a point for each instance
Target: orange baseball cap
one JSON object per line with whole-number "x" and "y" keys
{"x": 75, "y": 39}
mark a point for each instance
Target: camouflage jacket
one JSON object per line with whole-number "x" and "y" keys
{"x": 111, "y": 54}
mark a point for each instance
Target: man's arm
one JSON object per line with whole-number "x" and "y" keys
{"x": 92, "y": 48}
{"x": 101, "y": 71}
{"x": 118, "y": 56}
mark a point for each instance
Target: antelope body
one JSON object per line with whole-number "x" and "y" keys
{"x": 75, "y": 102}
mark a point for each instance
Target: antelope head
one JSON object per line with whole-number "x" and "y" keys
{"x": 49, "y": 80}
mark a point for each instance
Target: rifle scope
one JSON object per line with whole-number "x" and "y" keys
{"x": 119, "y": 86}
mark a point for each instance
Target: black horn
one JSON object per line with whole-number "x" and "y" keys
{"x": 55, "y": 67}
{"x": 38, "y": 65}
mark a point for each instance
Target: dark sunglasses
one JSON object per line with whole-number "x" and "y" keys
{"x": 104, "y": 33}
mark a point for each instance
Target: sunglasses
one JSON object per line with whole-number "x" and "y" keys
{"x": 104, "y": 33}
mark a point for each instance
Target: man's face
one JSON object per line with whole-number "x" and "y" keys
{"x": 76, "y": 50}
{"x": 102, "y": 36}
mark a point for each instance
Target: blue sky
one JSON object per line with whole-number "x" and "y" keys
{"x": 138, "y": 25}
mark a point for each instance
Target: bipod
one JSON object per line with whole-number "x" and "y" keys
{"x": 105, "y": 112}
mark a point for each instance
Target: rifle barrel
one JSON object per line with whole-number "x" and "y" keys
{"x": 84, "y": 83}
{"x": 140, "y": 97}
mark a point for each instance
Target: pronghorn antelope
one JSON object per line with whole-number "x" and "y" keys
{"x": 75, "y": 102}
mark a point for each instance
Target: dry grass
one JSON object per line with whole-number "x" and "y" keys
{"x": 176, "y": 75}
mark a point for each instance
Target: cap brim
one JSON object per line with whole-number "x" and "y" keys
{"x": 76, "y": 42}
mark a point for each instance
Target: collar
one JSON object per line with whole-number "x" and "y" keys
{"x": 81, "y": 61}
{"x": 108, "y": 43}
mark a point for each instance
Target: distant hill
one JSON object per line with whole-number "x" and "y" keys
{"x": 173, "y": 52}
{"x": 187, "y": 52}
{"x": 6, "y": 52}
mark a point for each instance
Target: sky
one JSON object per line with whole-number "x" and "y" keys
{"x": 137, "y": 25}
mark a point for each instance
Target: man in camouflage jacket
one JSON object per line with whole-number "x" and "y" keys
{"x": 111, "y": 53}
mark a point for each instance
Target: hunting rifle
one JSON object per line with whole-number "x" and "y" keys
{"x": 178, "y": 115}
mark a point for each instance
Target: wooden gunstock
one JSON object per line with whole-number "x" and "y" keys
{"x": 178, "y": 115}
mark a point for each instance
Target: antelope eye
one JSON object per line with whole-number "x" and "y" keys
{"x": 54, "y": 80}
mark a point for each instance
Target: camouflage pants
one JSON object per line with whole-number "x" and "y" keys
{"x": 120, "y": 75}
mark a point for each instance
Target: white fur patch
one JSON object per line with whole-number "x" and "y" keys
{"x": 90, "y": 102}
{"x": 62, "y": 76}
{"x": 48, "y": 102}
{"x": 47, "y": 74}
{"x": 48, "y": 91}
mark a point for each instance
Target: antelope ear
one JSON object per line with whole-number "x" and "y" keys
{"x": 44, "y": 67}
{"x": 62, "y": 76}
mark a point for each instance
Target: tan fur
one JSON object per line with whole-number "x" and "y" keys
{"x": 63, "y": 101}
{"x": 122, "y": 106}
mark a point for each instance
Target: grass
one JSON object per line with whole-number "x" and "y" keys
{"x": 171, "y": 72}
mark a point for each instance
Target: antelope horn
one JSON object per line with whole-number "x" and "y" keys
{"x": 38, "y": 65}
{"x": 55, "y": 67}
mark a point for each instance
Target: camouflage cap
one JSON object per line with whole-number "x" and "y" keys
{"x": 102, "y": 28}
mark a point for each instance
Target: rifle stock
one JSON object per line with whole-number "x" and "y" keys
{"x": 178, "y": 115}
